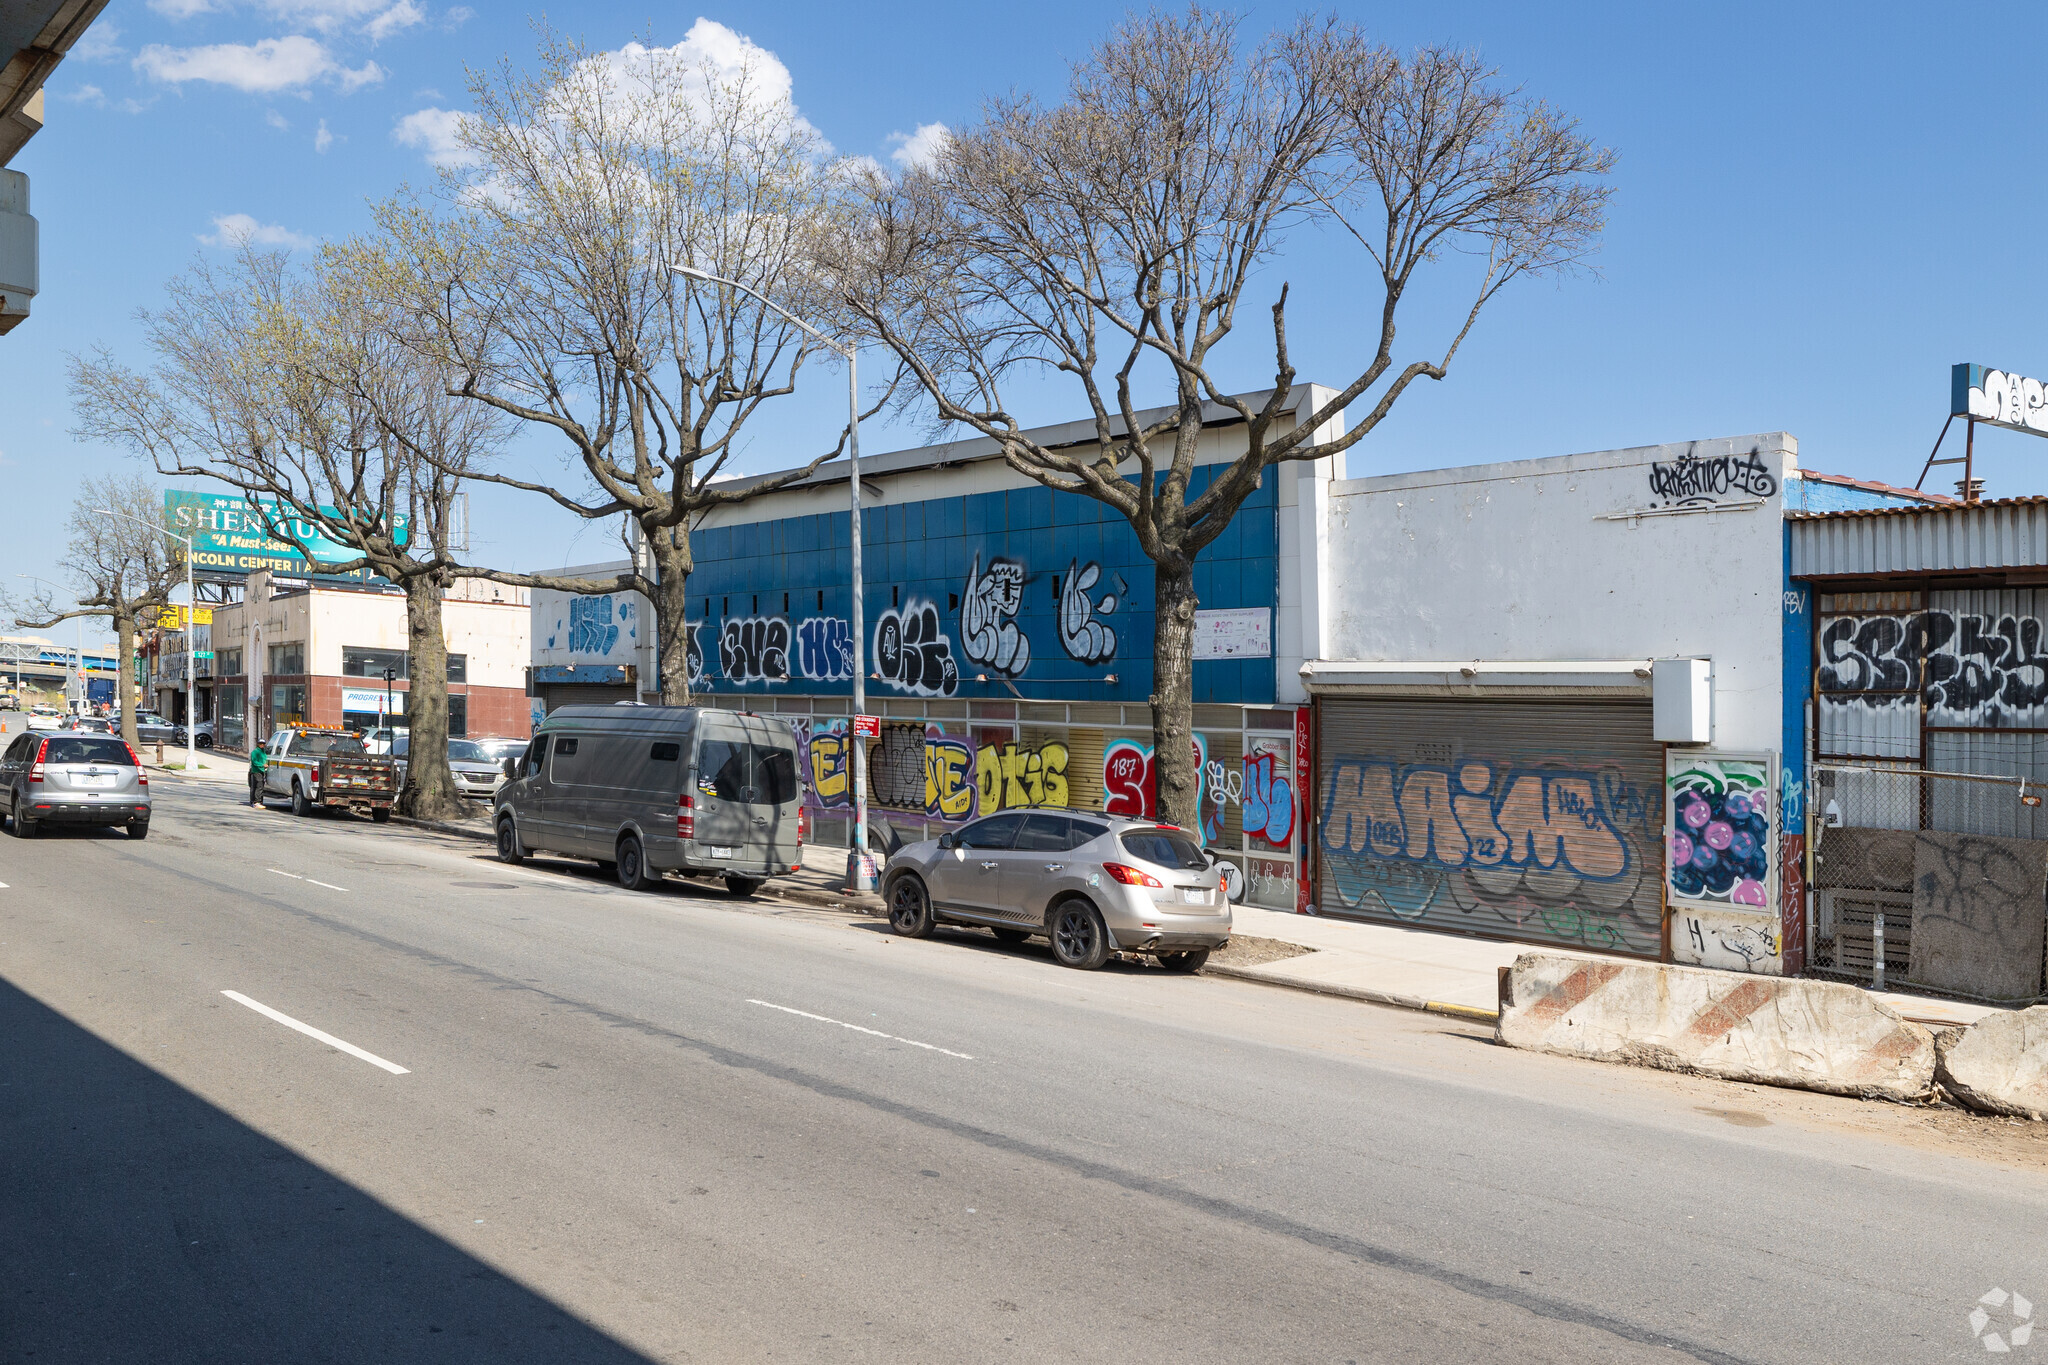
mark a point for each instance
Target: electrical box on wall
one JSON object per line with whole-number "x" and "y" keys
{"x": 1682, "y": 700}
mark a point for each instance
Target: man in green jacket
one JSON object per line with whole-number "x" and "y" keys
{"x": 259, "y": 763}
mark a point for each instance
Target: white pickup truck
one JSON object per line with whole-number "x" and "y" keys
{"x": 328, "y": 768}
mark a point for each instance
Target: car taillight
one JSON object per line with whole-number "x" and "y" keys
{"x": 1130, "y": 876}
{"x": 686, "y": 818}
{"x": 803, "y": 825}
{"x": 35, "y": 772}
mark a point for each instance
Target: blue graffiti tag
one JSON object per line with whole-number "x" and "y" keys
{"x": 824, "y": 649}
{"x": 591, "y": 630}
{"x": 1454, "y": 819}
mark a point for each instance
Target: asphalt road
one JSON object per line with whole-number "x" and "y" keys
{"x": 673, "y": 1126}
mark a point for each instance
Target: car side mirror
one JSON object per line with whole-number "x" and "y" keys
{"x": 509, "y": 767}
{"x": 949, "y": 841}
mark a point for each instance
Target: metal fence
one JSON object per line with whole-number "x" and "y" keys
{"x": 1870, "y": 845}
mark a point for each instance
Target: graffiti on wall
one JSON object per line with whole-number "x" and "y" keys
{"x": 754, "y": 649}
{"x": 913, "y": 653}
{"x": 824, "y": 649}
{"x": 1264, "y": 797}
{"x": 596, "y": 624}
{"x": 1706, "y": 939}
{"x": 1555, "y": 851}
{"x": 1007, "y": 775}
{"x": 1792, "y": 897}
{"x": 1130, "y": 785}
{"x": 1978, "y": 669}
{"x": 988, "y": 617}
{"x": 1083, "y": 635}
{"x": 693, "y": 653}
{"x": 1718, "y": 812}
{"x": 917, "y": 767}
{"x": 1693, "y": 480}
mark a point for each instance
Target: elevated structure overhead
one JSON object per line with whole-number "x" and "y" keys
{"x": 34, "y": 36}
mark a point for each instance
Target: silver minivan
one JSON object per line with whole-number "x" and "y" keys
{"x": 647, "y": 790}
{"x": 72, "y": 777}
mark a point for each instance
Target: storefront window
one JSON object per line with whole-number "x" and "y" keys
{"x": 458, "y": 716}
{"x": 288, "y": 704}
{"x": 231, "y": 728}
{"x": 287, "y": 659}
{"x": 360, "y": 661}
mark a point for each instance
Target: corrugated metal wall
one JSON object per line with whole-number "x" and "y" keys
{"x": 1529, "y": 819}
{"x": 2000, "y": 535}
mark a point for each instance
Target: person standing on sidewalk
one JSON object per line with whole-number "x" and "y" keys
{"x": 259, "y": 764}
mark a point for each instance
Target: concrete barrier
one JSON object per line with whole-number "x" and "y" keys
{"x": 1813, "y": 1035}
{"x": 1998, "y": 1065}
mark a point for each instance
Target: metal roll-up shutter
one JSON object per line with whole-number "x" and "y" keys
{"x": 1535, "y": 820}
{"x": 557, "y": 695}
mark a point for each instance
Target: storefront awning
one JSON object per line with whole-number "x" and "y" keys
{"x": 1477, "y": 678}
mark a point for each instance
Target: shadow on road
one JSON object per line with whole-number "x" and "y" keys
{"x": 139, "y": 1222}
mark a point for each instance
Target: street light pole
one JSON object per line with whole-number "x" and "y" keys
{"x": 859, "y": 873}
{"x": 191, "y": 622}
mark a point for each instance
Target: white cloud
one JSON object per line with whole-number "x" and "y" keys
{"x": 322, "y": 139}
{"x": 100, "y": 44}
{"x": 322, "y": 16}
{"x": 709, "y": 54}
{"x": 87, "y": 94}
{"x": 436, "y": 132}
{"x": 276, "y": 120}
{"x": 233, "y": 229}
{"x": 182, "y": 9}
{"x": 917, "y": 151}
{"x": 456, "y": 16}
{"x": 265, "y": 67}
{"x": 402, "y": 15}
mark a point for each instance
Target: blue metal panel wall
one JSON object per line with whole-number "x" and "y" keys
{"x": 1047, "y": 591}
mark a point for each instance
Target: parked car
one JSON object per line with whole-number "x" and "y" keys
{"x": 149, "y": 727}
{"x": 10, "y": 702}
{"x": 202, "y": 738}
{"x": 384, "y": 739}
{"x": 72, "y": 777}
{"x": 45, "y": 718}
{"x": 97, "y": 725}
{"x": 1094, "y": 885}
{"x": 327, "y": 769}
{"x": 478, "y": 764}
{"x": 647, "y": 790}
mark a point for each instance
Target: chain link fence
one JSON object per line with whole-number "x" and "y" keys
{"x": 1902, "y": 851}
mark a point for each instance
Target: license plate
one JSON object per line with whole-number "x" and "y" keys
{"x": 89, "y": 780}
{"x": 1194, "y": 897}
{"x": 718, "y": 852}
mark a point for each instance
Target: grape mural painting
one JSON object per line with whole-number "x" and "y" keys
{"x": 1719, "y": 828}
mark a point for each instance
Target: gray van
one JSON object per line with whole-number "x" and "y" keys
{"x": 648, "y": 790}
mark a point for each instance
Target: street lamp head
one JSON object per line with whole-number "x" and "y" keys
{"x": 691, "y": 272}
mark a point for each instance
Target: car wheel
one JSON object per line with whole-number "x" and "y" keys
{"x": 1189, "y": 962}
{"x": 139, "y": 830}
{"x": 1010, "y": 935}
{"x": 25, "y": 828}
{"x": 1079, "y": 938}
{"x": 206, "y": 741}
{"x": 910, "y": 909}
{"x": 510, "y": 850}
{"x": 300, "y": 805}
{"x": 381, "y": 814}
{"x": 632, "y": 865}
{"x": 742, "y": 888}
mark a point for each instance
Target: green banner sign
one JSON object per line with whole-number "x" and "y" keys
{"x": 232, "y": 535}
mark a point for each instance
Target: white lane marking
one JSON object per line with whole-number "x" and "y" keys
{"x": 3, "y": 886}
{"x": 350, "y": 1048}
{"x": 805, "y": 1014}
{"x": 307, "y": 880}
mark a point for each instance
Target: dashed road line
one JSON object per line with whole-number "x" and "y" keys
{"x": 350, "y": 1048}
{"x": 806, "y": 1014}
{"x": 308, "y": 880}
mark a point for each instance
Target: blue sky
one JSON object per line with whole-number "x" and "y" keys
{"x": 1817, "y": 211}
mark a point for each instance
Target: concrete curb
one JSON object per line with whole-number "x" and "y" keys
{"x": 443, "y": 827}
{"x": 1772, "y": 1030}
{"x": 1360, "y": 993}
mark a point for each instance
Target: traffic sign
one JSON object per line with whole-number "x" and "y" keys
{"x": 202, "y": 654}
{"x": 868, "y": 727}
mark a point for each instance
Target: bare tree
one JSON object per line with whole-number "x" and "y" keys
{"x": 298, "y": 389}
{"x": 1110, "y": 238}
{"x": 122, "y": 571}
{"x": 543, "y": 276}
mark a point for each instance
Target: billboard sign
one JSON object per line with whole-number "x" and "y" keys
{"x": 1998, "y": 398}
{"x": 173, "y": 618}
{"x": 231, "y": 535}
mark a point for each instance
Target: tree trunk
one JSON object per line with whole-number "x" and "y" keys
{"x": 126, "y": 695}
{"x": 429, "y": 792}
{"x": 672, "y": 563}
{"x": 1178, "y": 778}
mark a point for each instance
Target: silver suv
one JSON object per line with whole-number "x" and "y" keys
{"x": 70, "y": 777}
{"x": 1095, "y": 885}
